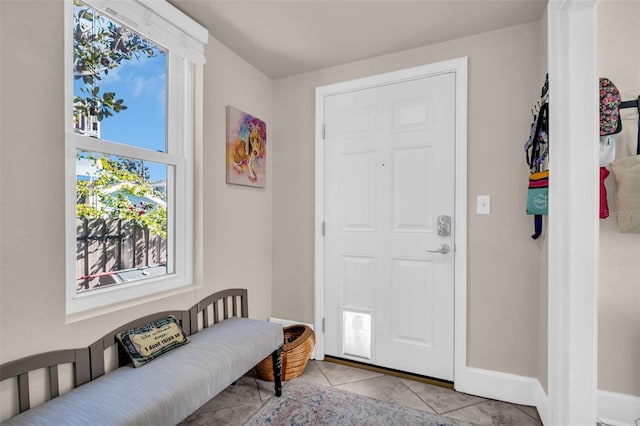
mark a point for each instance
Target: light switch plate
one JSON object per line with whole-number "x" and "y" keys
{"x": 484, "y": 204}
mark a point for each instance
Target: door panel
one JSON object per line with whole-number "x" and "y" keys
{"x": 357, "y": 193}
{"x": 411, "y": 323}
{"x": 389, "y": 173}
{"x": 411, "y": 175}
{"x": 358, "y": 123}
{"x": 358, "y": 272}
{"x": 413, "y": 115}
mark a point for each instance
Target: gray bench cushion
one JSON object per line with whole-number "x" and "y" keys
{"x": 169, "y": 388}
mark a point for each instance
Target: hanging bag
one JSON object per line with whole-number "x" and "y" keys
{"x": 537, "y": 149}
{"x": 610, "y": 124}
{"x": 538, "y": 193}
{"x": 627, "y": 174}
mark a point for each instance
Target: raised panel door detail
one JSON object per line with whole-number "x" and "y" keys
{"x": 412, "y": 186}
{"x": 358, "y": 123}
{"x": 414, "y": 115}
{"x": 356, "y": 278}
{"x": 412, "y": 316}
{"x": 357, "y": 191}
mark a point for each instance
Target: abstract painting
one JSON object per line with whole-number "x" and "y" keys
{"x": 246, "y": 149}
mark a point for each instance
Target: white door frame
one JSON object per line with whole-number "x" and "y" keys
{"x": 459, "y": 68}
{"x": 573, "y": 212}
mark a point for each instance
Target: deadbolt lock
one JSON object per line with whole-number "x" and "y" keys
{"x": 444, "y": 225}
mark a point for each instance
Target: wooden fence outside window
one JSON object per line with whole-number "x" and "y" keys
{"x": 113, "y": 251}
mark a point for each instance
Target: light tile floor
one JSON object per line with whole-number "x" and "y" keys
{"x": 236, "y": 404}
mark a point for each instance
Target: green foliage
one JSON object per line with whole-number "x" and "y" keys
{"x": 106, "y": 195}
{"x": 100, "y": 45}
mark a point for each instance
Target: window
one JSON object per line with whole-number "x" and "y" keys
{"x": 129, "y": 143}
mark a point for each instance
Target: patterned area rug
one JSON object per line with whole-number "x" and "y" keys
{"x": 303, "y": 403}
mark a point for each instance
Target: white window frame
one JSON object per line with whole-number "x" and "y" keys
{"x": 184, "y": 40}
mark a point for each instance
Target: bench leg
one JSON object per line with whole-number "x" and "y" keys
{"x": 277, "y": 370}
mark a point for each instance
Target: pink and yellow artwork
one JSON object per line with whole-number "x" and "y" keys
{"x": 246, "y": 149}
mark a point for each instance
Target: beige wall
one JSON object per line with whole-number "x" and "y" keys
{"x": 234, "y": 225}
{"x": 503, "y": 276}
{"x": 237, "y": 219}
{"x": 619, "y": 297}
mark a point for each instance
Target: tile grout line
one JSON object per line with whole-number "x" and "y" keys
{"x": 255, "y": 380}
{"x": 347, "y": 364}
{"x": 466, "y": 406}
{"x": 399, "y": 379}
{"x": 536, "y": 419}
{"x": 452, "y": 412}
{"x": 387, "y": 375}
{"x": 354, "y": 381}
{"x": 425, "y": 402}
{"x": 322, "y": 372}
{"x": 346, "y": 383}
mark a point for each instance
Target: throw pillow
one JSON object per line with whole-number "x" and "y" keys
{"x": 149, "y": 341}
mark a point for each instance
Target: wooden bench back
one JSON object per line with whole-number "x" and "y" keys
{"x": 50, "y": 361}
{"x": 225, "y": 304}
{"x": 88, "y": 363}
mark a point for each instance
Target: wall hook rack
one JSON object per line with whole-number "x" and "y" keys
{"x": 631, "y": 104}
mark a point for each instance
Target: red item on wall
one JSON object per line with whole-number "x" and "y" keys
{"x": 604, "y": 206}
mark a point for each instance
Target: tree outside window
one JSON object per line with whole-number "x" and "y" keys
{"x": 119, "y": 97}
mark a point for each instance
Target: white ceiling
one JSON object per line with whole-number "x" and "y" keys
{"x": 288, "y": 37}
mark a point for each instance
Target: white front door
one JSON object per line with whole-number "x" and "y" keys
{"x": 389, "y": 155}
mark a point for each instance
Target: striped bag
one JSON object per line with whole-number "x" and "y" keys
{"x": 538, "y": 193}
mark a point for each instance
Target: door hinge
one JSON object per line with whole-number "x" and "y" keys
{"x": 323, "y": 325}
{"x": 324, "y": 228}
{"x": 324, "y": 128}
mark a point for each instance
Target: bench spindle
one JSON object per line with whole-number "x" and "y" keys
{"x": 234, "y": 305}
{"x": 23, "y": 392}
{"x": 54, "y": 385}
{"x": 205, "y": 318}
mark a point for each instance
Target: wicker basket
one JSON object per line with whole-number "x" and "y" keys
{"x": 299, "y": 341}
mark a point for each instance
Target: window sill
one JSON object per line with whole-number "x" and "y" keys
{"x": 119, "y": 306}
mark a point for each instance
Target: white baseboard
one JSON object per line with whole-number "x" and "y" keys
{"x": 504, "y": 387}
{"x": 614, "y": 409}
{"x": 617, "y": 409}
{"x": 286, "y": 323}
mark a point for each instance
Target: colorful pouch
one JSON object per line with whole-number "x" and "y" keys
{"x": 538, "y": 193}
{"x": 609, "y": 113}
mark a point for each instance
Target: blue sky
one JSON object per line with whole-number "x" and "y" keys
{"x": 142, "y": 84}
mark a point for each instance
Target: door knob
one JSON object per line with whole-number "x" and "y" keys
{"x": 444, "y": 249}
